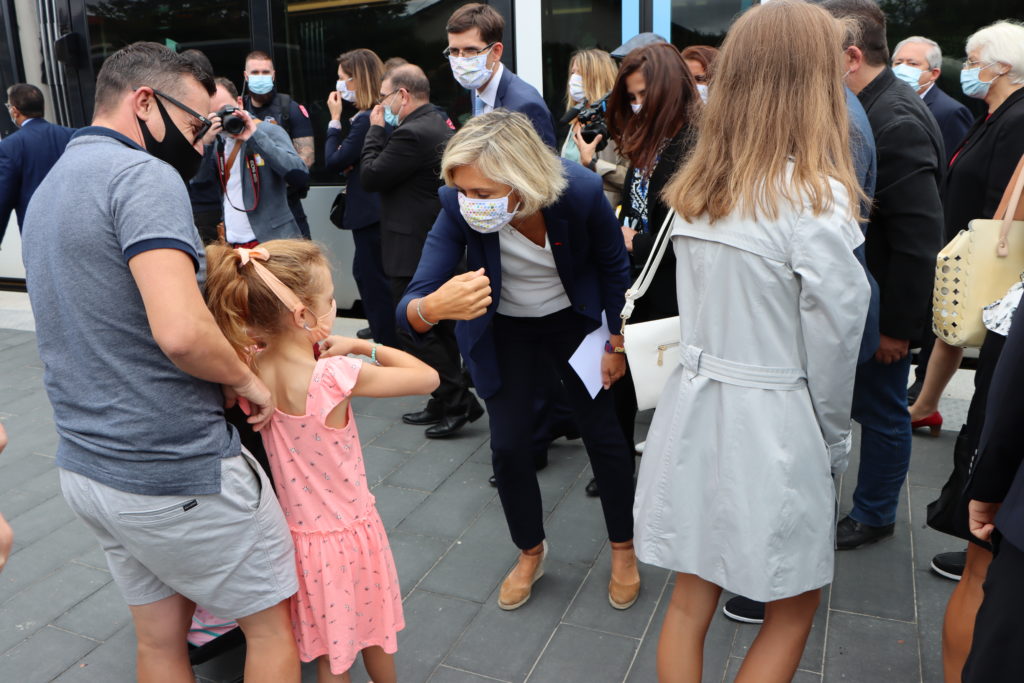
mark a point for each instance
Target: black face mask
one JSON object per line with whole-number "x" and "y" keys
{"x": 175, "y": 148}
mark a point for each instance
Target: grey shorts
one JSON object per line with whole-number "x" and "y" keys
{"x": 230, "y": 552}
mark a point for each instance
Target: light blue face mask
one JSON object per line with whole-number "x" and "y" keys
{"x": 971, "y": 83}
{"x": 909, "y": 75}
{"x": 390, "y": 117}
{"x": 261, "y": 85}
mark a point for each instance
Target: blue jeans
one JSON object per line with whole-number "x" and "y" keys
{"x": 880, "y": 406}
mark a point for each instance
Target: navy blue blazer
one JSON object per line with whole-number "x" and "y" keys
{"x": 516, "y": 94}
{"x": 25, "y": 158}
{"x": 590, "y": 256}
{"x": 954, "y": 118}
{"x": 865, "y": 162}
{"x": 341, "y": 155}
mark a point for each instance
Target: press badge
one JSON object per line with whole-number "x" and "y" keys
{"x": 259, "y": 160}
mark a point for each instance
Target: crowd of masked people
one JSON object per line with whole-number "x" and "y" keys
{"x": 793, "y": 230}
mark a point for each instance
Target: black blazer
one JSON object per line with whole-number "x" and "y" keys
{"x": 977, "y": 178}
{"x": 954, "y": 119}
{"x": 341, "y": 155}
{"x": 905, "y": 230}
{"x": 997, "y": 475}
{"x": 404, "y": 168}
{"x": 660, "y": 299}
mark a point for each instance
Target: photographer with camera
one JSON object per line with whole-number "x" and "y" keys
{"x": 255, "y": 163}
{"x": 649, "y": 113}
{"x": 591, "y": 77}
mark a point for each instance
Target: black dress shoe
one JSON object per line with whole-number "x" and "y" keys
{"x": 851, "y": 534}
{"x": 539, "y": 463}
{"x": 450, "y": 424}
{"x": 365, "y": 333}
{"x": 592, "y": 489}
{"x": 427, "y": 416}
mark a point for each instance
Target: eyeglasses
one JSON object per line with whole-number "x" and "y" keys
{"x": 971, "y": 64}
{"x": 205, "y": 123}
{"x": 382, "y": 98}
{"x": 466, "y": 51}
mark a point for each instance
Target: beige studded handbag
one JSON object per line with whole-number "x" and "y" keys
{"x": 977, "y": 267}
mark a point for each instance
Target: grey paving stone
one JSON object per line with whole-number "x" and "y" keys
{"x": 478, "y": 561}
{"x": 38, "y": 435}
{"x": 505, "y": 645}
{"x": 414, "y": 556}
{"x": 581, "y": 654}
{"x": 862, "y": 648}
{"x": 931, "y": 459}
{"x": 801, "y": 675}
{"x": 394, "y": 504}
{"x": 370, "y": 428}
{"x": 47, "y": 484}
{"x": 94, "y": 557}
{"x": 391, "y": 408}
{"x": 15, "y": 472}
{"x": 446, "y": 674}
{"x": 401, "y": 437}
{"x": 433, "y": 464}
{"x": 14, "y": 503}
{"x": 99, "y": 616}
{"x": 454, "y": 505}
{"x": 43, "y": 656}
{"x": 111, "y": 662}
{"x": 590, "y": 609}
{"x": 34, "y": 524}
{"x": 35, "y": 562}
{"x": 575, "y": 529}
{"x": 380, "y": 463}
{"x": 433, "y": 624}
{"x": 43, "y": 601}
{"x": 814, "y": 650}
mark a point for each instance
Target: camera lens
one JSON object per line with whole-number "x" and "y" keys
{"x": 233, "y": 124}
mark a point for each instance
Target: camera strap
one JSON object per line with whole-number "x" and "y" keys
{"x": 224, "y": 172}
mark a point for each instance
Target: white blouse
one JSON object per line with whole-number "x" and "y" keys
{"x": 530, "y": 286}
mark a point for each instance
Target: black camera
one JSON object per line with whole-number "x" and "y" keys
{"x": 230, "y": 121}
{"x": 592, "y": 121}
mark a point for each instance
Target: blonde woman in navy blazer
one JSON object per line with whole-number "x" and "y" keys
{"x": 546, "y": 260}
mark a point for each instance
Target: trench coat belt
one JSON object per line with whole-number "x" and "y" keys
{"x": 697, "y": 362}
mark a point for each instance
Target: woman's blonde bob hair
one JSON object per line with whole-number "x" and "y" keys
{"x": 775, "y": 128}
{"x": 598, "y": 70}
{"x": 504, "y": 147}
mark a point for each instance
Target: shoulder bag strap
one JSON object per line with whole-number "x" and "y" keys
{"x": 639, "y": 287}
{"x": 1009, "y": 207}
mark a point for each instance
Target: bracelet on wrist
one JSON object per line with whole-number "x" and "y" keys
{"x": 419, "y": 312}
{"x": 373, "y": 355}
{"x": 608, "y": 348}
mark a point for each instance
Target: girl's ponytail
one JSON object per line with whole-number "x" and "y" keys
{"x": 227, "y": 296}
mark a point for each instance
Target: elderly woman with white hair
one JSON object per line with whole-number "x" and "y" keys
{"x": 980, "y": 169}
{"x": 546, "y": 261}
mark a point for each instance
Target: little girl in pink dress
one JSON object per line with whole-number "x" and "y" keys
{"x": 348, "y": 599}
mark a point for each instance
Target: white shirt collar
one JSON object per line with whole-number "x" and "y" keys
{"x": 490, "y": 93}
{"x": 930, "y": 86}
{"x": 31, "y": 120}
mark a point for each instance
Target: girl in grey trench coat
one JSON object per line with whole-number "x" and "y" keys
{"x": 735, "y": 488}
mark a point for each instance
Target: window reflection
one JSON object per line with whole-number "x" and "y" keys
{"x": 703, "y": 22}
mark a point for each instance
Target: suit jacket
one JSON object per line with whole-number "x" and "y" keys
{"x": 517, "y": 95}
{"x": 997, "y": 475}
{"x": 586, "y": 243}
{"x": 281, "y": 167}
{"x": 865, "y": 163}
{"x": 976, "y": 180}
{"x": 404, "y": 168}
{"x": 341, "y": 155}
{"x": 25, "y": 159}
{"x": 954, "y": 118}
{"x": 905, "y": 232}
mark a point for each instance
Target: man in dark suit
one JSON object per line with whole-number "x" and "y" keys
{"x": 404, "y": 169}
{"x": 904, "y": 235}
{"x": 917, "y": 61}
{"x": 27, "y": 156}
{"x": 474, "y": 52}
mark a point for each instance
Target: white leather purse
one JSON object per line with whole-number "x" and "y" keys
{"x": 652, "y": 347}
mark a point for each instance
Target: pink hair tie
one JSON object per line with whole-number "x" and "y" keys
{"x": 281, "y": 290}
{"x": 255, "y": 253}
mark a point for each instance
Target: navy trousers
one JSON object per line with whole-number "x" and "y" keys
{"x": 528, "y": 349}
{"x": 374, "y": 286}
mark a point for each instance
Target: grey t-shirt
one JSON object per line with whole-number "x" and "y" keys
{"x": 126, "y": 415}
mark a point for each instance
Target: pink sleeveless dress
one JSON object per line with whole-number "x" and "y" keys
{"x": 348, "y": 596}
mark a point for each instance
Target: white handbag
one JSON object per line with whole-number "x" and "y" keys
{"x": 652, "y": 347}
{"x": 977, "y": 268}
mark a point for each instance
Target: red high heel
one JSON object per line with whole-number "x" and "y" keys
{"x": 933, "y": 422}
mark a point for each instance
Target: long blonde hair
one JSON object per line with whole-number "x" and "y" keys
{"x": 778, "y": 97}
{"x": 598, "y": 71}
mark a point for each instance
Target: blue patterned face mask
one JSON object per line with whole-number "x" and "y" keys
{"x": 486, "y": 215}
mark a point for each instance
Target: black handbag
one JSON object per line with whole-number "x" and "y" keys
{"x": 948, "y": 512}
{"x": 337, "y": 215}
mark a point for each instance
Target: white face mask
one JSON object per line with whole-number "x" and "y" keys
{"x": 471, "y": 72}
{"x": 346, "y": 94}
{"x": 486, "y": 215}
{"x": 576, "y": 89}
{"x": 702, "y": 90}
{"x": 636, "y": 107}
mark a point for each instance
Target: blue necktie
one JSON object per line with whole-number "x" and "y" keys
{"x": 478, "y": 105}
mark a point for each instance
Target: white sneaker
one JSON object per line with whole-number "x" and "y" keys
{"x": 639, "y": 448}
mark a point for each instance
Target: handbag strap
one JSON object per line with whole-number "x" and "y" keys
{"x": 1009, "y": 206}
{"x": 639, "y": 287}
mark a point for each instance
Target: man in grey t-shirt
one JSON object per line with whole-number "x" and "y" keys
{"x": 137, "y": 372}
